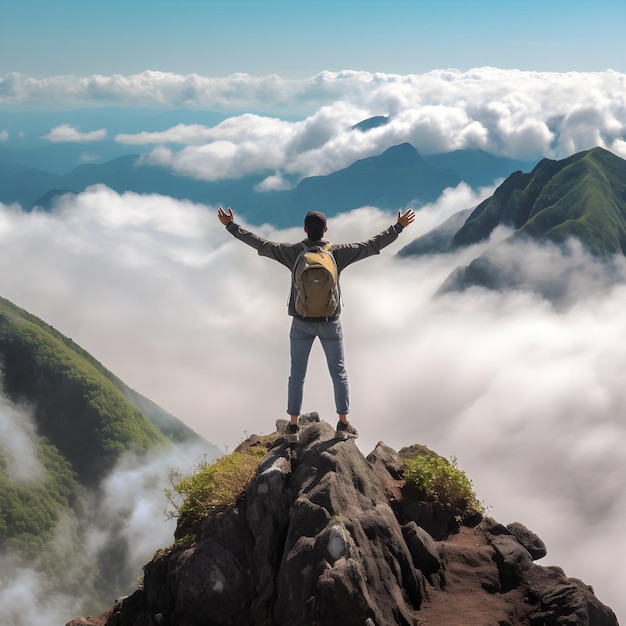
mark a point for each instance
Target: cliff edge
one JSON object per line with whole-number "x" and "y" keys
{"x": 323, "y": 536}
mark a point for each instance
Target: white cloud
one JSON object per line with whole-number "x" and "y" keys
{"x": 16, "y": 440}
{"x": 529, "y": 397}
{"x": 130, "y": 509}
{"x": 25, "y": 599}
{"x": 217, "y": 160}
{"x": 526, "y": 115}
{"x": 182, "y": 133}
{"x": 69, "y": 134}
{"x": 509, "y": 112}
{"x": 87, "y": 157}
{"x": 235, "y": 147}
{"x": 4, "y": 135}
{"x": 250, "y": 144}
{"x": 450, "y": 202}
{"x": 241, "y": 128}
{"x": 154, "y": 88}
{"x": 275, "y": 182}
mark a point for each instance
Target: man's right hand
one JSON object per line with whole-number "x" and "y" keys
{"x": 225, "y": 218}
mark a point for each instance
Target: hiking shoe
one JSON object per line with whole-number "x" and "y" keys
{"x": 346, "y": 431}
{"x": 292, "y": 433}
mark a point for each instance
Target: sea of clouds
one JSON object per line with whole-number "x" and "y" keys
{"x": 514, "y": 113}
{"x": 527, "y": 394}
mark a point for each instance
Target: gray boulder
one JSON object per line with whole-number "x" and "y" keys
{"x": 535, "y": 546}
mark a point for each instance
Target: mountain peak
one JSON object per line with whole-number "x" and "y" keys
{"x": 404, "y": 151}
{"x": 398, "y": 157}
{"x": 575, "y": 203}
{"x": 371, "y": 122}
{"x": 323, "y": 535}
{"x": 582, "y": 196}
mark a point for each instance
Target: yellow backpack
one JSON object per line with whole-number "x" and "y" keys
{"x": 316, "y": 282}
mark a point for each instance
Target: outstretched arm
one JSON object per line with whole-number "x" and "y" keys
{"x": 347, "y": 253}
{"x": 284, "y": 253}
{"x": 226, "y": 218}
{"x": 406, "y": 218}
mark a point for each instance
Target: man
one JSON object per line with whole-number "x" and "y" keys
{"x": 304, "y": 330}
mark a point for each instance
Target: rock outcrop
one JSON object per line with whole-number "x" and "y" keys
{"x": 325, "y": 536}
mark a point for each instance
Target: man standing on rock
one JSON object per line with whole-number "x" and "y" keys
{"x": 327, "y": 327}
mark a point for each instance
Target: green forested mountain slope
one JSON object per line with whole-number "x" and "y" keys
{"x": 582, "y": 196}
{"x": 65, "y": 421}
{"x": 76, "y": 405}
{"x": 31, "y": 509}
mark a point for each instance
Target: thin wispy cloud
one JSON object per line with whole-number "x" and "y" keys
{"x": 274, "y": 182}
{"x": 17, "y": 430}
{"x": 69, "y": 134}
{"x": 528, "y": 396}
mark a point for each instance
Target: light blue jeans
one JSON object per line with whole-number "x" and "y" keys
{"x": 302, "y": 336}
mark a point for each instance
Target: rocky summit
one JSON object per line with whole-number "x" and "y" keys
{"x": 323, "y": 535}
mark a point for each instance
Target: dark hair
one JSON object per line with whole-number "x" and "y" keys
{"x": 315, "y": 225}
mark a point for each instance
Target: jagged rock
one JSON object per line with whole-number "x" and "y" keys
{"x": 535, "y": 546}
{"x": 512, "y": 559}
{"x": 562, "y": 601}
{"x": 343, "y": 553}
{"x": 426, "y": 552}
{"x": 303, "y": 420}
{"x": 324, "y": 536}
{"x": 108, "y": 618}
{"x": 492, "y": 527}
{"x": 387, "y": 458}
{"x": 90, "y": 621}
{"x": 307, "y": 418}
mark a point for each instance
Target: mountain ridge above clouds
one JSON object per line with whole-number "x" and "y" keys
{"x": 398, "y": 177}
{"x": 582, "y": 196}
{"x": 320, "y": 534}
{"x": 560, "y": 206}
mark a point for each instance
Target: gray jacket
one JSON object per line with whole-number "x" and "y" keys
{"x": 286, "y": 253}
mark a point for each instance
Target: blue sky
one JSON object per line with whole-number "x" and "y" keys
{"x": 297, "y": 39}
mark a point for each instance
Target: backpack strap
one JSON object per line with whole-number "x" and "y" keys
{"x": 327, "y": 246}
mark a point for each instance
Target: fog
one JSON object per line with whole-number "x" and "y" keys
{"x": 98, "y": 554}
{"x": 17, "y": 448}
{"x": 25, "y": 598}
{"x": 526, "y": 393}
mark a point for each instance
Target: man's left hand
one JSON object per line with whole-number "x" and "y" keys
{"x": 406, "y": 218}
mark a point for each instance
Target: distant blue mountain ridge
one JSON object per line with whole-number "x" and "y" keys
{"x": 34, "y": 171}
{"x": 395, "y": 179}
